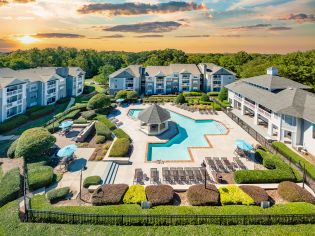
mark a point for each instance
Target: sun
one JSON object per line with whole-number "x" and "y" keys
{"x": 26, "y": 39}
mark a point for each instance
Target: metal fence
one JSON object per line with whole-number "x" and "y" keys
{"x": 42, "y": 216}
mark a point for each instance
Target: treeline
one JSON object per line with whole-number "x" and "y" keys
{"x": 298, "y": 66}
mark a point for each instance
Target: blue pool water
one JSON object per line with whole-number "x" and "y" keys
{"x": 191, "y": 134}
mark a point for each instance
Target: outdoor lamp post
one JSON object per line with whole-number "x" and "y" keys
{"x": 83, "y": 168}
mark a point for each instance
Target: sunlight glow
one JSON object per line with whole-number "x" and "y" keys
{"x": 26, "y": 39}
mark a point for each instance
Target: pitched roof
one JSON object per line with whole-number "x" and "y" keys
{"x": 215, "y": 69}
{"x": 155, "y": 70}
{"x": 154, "y": 115}
{"x": 185, "y": 68}
{"x": 132, "y": 70}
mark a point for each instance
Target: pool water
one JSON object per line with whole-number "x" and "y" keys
{"x": 190, "y": 134}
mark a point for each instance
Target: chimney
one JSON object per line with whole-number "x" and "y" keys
{"x": 272, "y": 71}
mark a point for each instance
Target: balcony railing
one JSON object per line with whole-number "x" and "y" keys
{"x": 14, "y": 92}
{"x": 249, "y": 104}
{"x": 264, "y": 113}
{"x": 237, "y": 98}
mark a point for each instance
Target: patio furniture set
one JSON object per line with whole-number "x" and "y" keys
{"x": 116, "y": 121}
{"x": 194, "y": 109}
{"x": 223, "y": 165}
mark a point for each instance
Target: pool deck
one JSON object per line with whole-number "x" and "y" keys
{"x": 219, "y": 145}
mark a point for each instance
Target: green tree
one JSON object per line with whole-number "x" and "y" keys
{"x": 132, "y": 95}
{"x": 204, "y": 98}
{"x": 122, "y": 94}
{"x": 104, "y": 71}
{"x": 98, "y": 101}
{"x": 223, "y": 95}
{"x": 33, "y": 143}
{"x": 180, "y": 99}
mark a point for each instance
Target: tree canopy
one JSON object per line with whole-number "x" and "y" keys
{"x": 98, "y": 101}
{"x": 180, "y": 99}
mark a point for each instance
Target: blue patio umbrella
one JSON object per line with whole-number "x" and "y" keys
{"x": 67, "y": 151}
{"x": 66, "y": 124}
{"x": 120, "y": 100}
{"x": 242, "y": 144}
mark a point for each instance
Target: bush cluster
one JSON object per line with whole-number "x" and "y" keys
{"x": 106, "y": 122}
{"x": 103, "y": 130}
{"x": 294, "y": 157}
{"x": 292, "y": 192}
{"x": 39, "y": 111}
{"x": 159, "y": 194}
{"x": 198, "y": 195}
{"x": 135, "y": 195}
{"x": 80, "y": 120}
{"x": 180, "y": 99}
{"x": 10, "y": 186}
{"x": 56, "y": 195}
{"x": 39, "y": 176}
{"x": 213, "y": 94}
{"x": 109, "y": 194}
{"x": 11, "y": 150}
{"x": 89, "y": 115}
{"x": 119, "y": 133}
{"x": 126, "y": 94}
{"x": 193, "y": 94}
{"x": 92, "y": 180}
{"x": 256, "y": 193}
{"x": 88, "y": 89}
{"x": 98, "y": 101}
{"x": 13, "y": 123}
{"x": 120, "y": 148}
{"x": 233, "y": 195}
{"x": 277, "y": 171}
{"x": 100, "y": 139}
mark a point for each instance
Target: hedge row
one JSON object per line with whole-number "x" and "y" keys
{"x": 193, "y": 94}
{"x": 277, "y": 172}
{"x": 135, "y": 195}
{"x": 56, "y": 195}
{"x": 294, "y": 157}
{"x": 92, "y": 180}
{"x": 13, "y": 123}
{"x": 39, "y": 111}
{"x": 119, "y": 133}
{"x": 233, "y": 195}
{"x": 103, "y": 130}
{"x": 120, "y": 148}
{"x": 198, "y": 195}
{"x": 39, "y": 176}
{"x": 256, "y": 193}
{"x": 10, "y": 186}
{"x": 109, "y": 194}
{"x": 292, "y": 192}
{"x": 89, "y": 115}
{"x": 106, "y": 122}
{"x": 160, "y": 194}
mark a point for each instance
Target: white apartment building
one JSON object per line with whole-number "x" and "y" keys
{"x": 37, "y": 87}
{"x": 283, "y": 106}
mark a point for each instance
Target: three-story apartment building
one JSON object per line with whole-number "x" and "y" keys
{"x": 283, "y": 106}
{"x": 37, "y": 87}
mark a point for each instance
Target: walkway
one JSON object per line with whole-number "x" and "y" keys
{"x": 71, "y": 102}
{"x": 8, "y": 137}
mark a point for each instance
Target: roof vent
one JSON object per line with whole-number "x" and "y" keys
{"x": 272, "y": 71}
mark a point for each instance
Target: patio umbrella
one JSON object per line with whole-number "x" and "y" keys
{"x": 66, "y": 124}
{"x": 67, "y": 151}
{"x": 242, "y": 144}
{"x": 120, "y": 100}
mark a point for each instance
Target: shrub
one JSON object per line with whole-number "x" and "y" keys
{"x": 216, "y": 107}
{"x": 106, "y": 122}
{"x": 119, "y": 133}
{"x": 256, "y": 193}
{"x": 72, "y": 115}
{"x": 106, "y": 146}
{"x": 12, "y": 123}
{"x": 102, "y": 129}
{"x": 120, "y": 148}
{"x": 10, "y": 186}
{"x": 11, "y": 150}
{"x": 295, "y": 157}
{"x": 122, "y": 94}
{"x": 92, "y": 180}
{"x": 213, "y": 94}
{"x": 98, "y": 101}
{"x": 198, "y": 195}
{"x": 39, "y": 176}
{"x": 233, "y": 195}
{"x": 37, "y": 112}
{"x": 80, "y": 120}
{"x": 277, "y": 171}
{"x": 180, "y": 99}
{"x": 192, "y": 94}
{"x": 89, "y": 115}
{"x": 109, "y": 194}
{"x": 135, "y": 195}
{"x": 100, "y": 139}
{"x": 88, "y": 89}
{"x": 159, "y": 194}
{"x": 204, "y": 98}
{"x": 56, "y": 195}
{"x": 34, "y": 142}
{"x": 292, "y": 192}
{"x": 223, "y": 94}
{"x": 132, "y": 95}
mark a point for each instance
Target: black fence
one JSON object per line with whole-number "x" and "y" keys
{"x": 42, "y": 216}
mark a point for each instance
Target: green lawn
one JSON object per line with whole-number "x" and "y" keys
{"x": 98, "y": 88}
{"x": 4, "y": 145}
{"x": 10, "y": 225}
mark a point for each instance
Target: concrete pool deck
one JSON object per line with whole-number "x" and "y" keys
{"x": 221, "y": 145}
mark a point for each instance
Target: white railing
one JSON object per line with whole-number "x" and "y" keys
{"x": 251, "y": 105}
{"x": 237, "y": 98}
{"x": 51, "y": 86}
{"x": 264, "y": 113}
{"x": 14, "y": 92}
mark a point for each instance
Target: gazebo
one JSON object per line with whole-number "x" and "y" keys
{"x": 154, "y": 120}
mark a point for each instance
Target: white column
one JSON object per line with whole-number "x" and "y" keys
{"x": 256, "y": 114}
{"x": 270, "y": 128}
{"x": 242, "y": 107}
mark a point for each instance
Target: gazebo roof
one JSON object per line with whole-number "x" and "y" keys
{"x": 154, "y": 115}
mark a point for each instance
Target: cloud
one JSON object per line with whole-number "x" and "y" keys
{"x": 300, "y": 18}
{"x": 250, "y": 27}
{"x": 193, "y": 36}
{"x": 113, "y": 36}
{"x": 130, "y": 8}
{"x": 58, "y": 35}
{"x": 150, "y": 36}
{"x": 147, "y": 27}
{"x": 5, "y": 2}
{"x": 279, "y": 28}
{"x": 6, "y": 45}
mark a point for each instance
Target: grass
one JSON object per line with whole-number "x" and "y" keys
{"x": 40, "y": 203}
{"x": 4, "y": 145}
{"x": 98, "y": 88}
{"x": 11, "y": 225}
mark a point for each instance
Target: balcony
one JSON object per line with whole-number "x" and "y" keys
{"x": 264, "y": 113}
{"x": 14, "y": 104}
{"x": 237, "y": 98}
{"x": 14, "y": 92}
{"x": 249, "y": 104}
{"x": 51, "y": 86}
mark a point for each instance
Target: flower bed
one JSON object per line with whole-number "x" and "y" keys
{"x": 233, "y": 195}
{"x": 135, "y": 195}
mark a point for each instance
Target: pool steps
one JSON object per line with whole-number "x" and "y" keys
{"x": 110, "y": 173}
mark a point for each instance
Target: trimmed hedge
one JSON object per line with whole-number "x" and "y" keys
{"x": 213, "y": 94}
{"x": 102, "y": 129}
{"x": 39, "y": 111}
{"x": 120, "y": 148}
{"x": 92, "y": 180}
{"x": 277, "y": 171}
{"x": 100, "y": 139}
{"x": 72, "y": 115}
{"x": 292, "y": 192}
{"x": 119, "y": 133}
{"x": 256, "y": 193}
{"x": 10, "y": 186}
{"x": 106, "y": 122}
{"x": 193, "y": 94}
{"x": 160, "y": 194}
{"x": 80, "y": 120}
{"x": 135, "y": 195}
{"x": 11, "y": 150}
{"x": 13, "y": 123}
{"x": 233, "y": 195}
{"x": 39, "y": 176}
{"x": 294, "y": 157}
{"x": 109, "y": 194}
{"x": 56, "y": 195}
{"x": 198, "y": 195}
{"x": 98, "y": 101}
{"x": 89, "y": 115}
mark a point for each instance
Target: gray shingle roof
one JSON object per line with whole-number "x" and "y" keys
{"x": 154, "y": 115}
{"x": 132, "y": 70}
{"x": 173, "y": 68}
{"x": 215, "y": 69}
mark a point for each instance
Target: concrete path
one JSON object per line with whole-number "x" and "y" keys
{"x": 72, "y": 100}
{"x": 8, "y": 137}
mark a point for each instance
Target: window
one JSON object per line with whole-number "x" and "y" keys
{"x": 289, "y": 120}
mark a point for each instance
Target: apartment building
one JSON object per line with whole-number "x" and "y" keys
{"x": 170, "y": 79}
{"x": 21, "y": 89}
{"x": 280, "y": 106}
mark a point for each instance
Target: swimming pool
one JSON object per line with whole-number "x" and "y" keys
{"x": 190, "y": 134}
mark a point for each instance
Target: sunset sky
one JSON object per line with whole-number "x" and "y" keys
{"x": 267, "y": 26}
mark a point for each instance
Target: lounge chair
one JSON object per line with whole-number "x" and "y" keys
{"x": 174, "y": 174}
{"x": 154, "y": 175}
{"x": 138, "y": 177}
{"x": 190, "y": 174}
{"x": 228, "y": 164}
{"x": 220, "y": 165}
{"x": 166, "y": 175}
{"x": 212, "y": 164}
{"x": 240, "y": 163}
{"x": 204, "y": 173}
{"x": 197, "y": 174}
{"x": 181, "y": 174}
